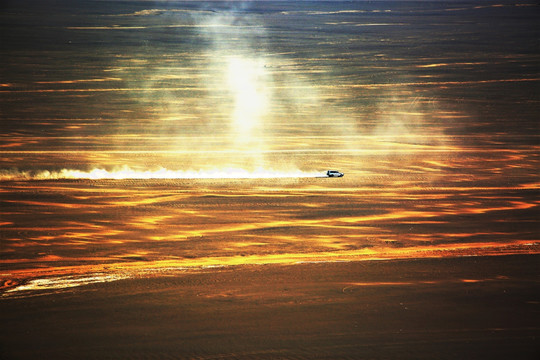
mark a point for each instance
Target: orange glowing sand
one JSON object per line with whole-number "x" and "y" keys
{"x": 104, "y": 230}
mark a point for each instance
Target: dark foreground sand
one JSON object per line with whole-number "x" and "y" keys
{"x": 453, "y": 308}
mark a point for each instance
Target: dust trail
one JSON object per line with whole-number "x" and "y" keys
{"x": 160, "y": 173}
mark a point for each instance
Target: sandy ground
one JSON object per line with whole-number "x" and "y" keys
{"x": 453, "y": 308}
{"x": 429, "y": 108}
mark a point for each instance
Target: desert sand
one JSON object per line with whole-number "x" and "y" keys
{"x": 159, "y": 196}
{"x": 452, "y": 308}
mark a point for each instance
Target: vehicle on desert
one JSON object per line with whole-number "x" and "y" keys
{"x": 334, "y": 173}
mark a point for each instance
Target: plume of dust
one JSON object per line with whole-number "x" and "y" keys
{"x": 229, "y": 70}
{"x": 237, "y": 56}
{"x": 241, "y": 101}
{"x": 410, "y": 138}
{"x": 126, "y": 172}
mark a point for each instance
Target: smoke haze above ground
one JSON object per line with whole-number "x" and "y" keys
{"x": 175, "y": 84}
